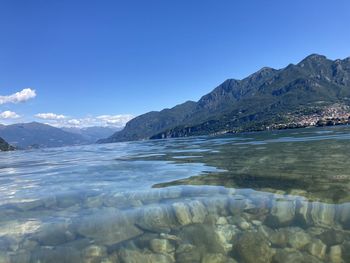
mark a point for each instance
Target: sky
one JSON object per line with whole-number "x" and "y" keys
{"x": 90, "y": 62}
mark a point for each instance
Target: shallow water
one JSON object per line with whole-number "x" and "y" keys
{"x": 258, "y": 197}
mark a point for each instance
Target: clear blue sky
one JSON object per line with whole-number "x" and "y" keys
{"x": 93, "y": 57}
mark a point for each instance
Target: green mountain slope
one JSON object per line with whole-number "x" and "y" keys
{"x": 4, "y": 146}
{"x": 263, "y": 99}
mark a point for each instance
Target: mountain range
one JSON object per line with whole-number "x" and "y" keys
{"x": 39, "y": 135}
{"x": 267, "y": 98}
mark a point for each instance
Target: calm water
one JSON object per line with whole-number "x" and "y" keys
{"x": 250, "y": 198}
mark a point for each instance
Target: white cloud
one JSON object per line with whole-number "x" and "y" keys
{"x": 20, "y": 96}
{"x": 9, "y": 115}
{"x": 57, "y": 120}
{"x": 50, "y": 116}
{"x": 118, "y": 120}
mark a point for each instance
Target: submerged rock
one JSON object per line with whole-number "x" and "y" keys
{"x": 198, "y": 211}
{"x": 94, "y": 251}
{"x": 56, "y": 255}
{"x": 182, "y": 213}
{"x": 157, "y": 219}
{"x": 217, "y": 258}
{"x": 136, "y": 256}
{"x": 161, "y": 246}
{"x": 317, "y": 248}
{"x": 54, "y": 234}
{"x": 344, "y": 215}
{"x": 187, "y": 253}
{"x": 297, "y": 238}
{"x": 335, "y": 254}
{"x": 253, "y": 247}
{"x": 282, "y": 213}
{"x": 108, "y": 227}
{"x": 322, "y": 214}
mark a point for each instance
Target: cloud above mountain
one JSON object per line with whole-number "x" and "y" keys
{"x": 9, "y": 115}
{"x": 21, "y": 96}
{"x": 50, "y": 116}
{"x": 60, "y": 120}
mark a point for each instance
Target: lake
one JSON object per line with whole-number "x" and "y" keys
{"x": 279, "y": 196}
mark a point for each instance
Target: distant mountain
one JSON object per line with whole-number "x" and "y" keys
{"x": 4, "y": 146}
{"x": 92, "y": 134}
{"x": 267, "y": 98}
{"x": 37, "y": 135}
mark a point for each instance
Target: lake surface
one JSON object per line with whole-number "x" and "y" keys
{"x": 256, "y": 197}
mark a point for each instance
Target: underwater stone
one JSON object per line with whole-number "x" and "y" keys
{"x": 217, "y": 258}
{"x": 187, "y": 253}
{"x": 344, "y": 215}
{"x": 317, "y": 248}
{"x": 282, "y": 213}
{"x": 198, "y": 211}
{"x": 297, "y": 238}
{"x": 54, "y": 234}
{"x": 217, "y": 206}
{"x": 332, "y": 237}
{"x": 335, "y": 254}
{"x": 288, "y": 255}
{"x": 157, "y": 219}
{"x": 322, "y": 214}
{"x": 94, "y": 251}
{"x": 135, "y": 256}
{"x": 221, "y": 221}
{"x": 244, "y": 225}
{"x": 161, "y": 246}
{"x": 225, "y": 234}
{"x": 254, "y": 248}
{"x": 108, "y": 227}
{"x": 182, "y": 213}
{"x": 55, "y": 255}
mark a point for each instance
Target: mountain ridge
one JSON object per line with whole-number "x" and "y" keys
{"x": 265, "y": 98}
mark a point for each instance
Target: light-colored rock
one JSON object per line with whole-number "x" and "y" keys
{"x": 317, "y": 248}
{"x": 198, "y": 211}
{"x": 335, "y": 254}
{"x": 221, "y": 221}
{"x": 244, "y": 225}
{"x": 225, "y": 234}
{"x": 282, "y": 213}
{"x": 182, "y": 213}
{"x": 256, "y": 222}
{"x": 322, "y": 214}
{"x": 161, "y": 246}
{"x": 94, "y": 251}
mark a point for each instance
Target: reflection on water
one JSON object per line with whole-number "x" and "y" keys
{"x": 258, "y": 197}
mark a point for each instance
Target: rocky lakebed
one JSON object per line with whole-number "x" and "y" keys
{"x": 190, "y": 200}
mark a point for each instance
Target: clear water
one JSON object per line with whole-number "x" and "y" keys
{"x": 258, "y": 197}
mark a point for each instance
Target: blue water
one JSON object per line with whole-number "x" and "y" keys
{"x": 149, "y": 200}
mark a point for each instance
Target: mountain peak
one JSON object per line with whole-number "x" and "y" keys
{"x": 314, "y": 57}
